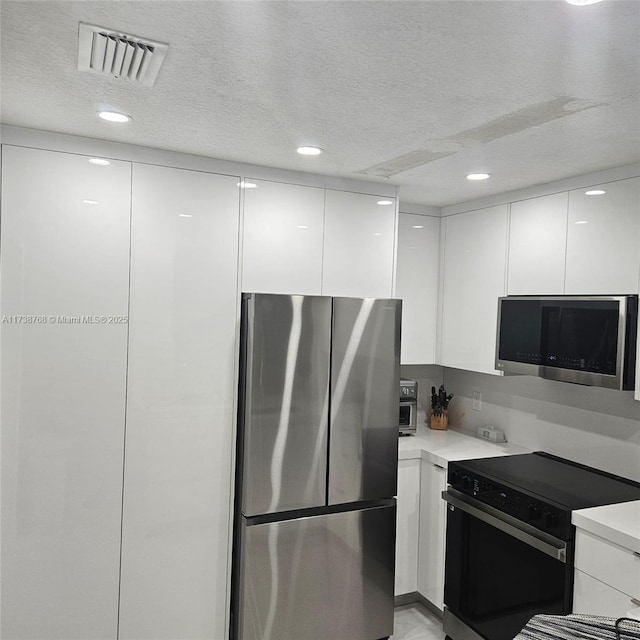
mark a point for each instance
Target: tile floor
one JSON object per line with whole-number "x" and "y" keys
{"x": 415, "y": 622}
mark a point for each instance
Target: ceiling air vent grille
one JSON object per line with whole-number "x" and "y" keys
{"x": 119, "y": 55}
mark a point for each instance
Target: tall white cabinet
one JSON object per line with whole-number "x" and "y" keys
{"x": 180, "y": 400}
{"x": 417, "y": 277}
{"x": 65, "y": 282}
{"x": 475, "y": 249}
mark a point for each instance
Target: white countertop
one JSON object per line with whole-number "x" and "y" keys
{"x": 441, "y": 447}
{"x": 618, "y": 523}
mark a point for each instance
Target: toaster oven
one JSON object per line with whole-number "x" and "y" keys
{"x": 408, "y": 406}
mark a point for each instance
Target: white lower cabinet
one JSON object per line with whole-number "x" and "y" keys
{"x": 607, "y": 577}
{"x": 408, "y": 503}
{"x": 417, "y": 270}
{"x": 475, "y": 247}
{"x": 65, "y": 281}
{"x": 431, "y": 549}
{"x": 181, "y": 385}
{"x": 593, "y": 597}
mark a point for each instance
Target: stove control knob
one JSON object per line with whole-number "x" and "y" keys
{"x": 550, "y": 520}
{"x": 466, "y": 482}
{"x": 455, "y": 477}
{"x": 534, "y": 512}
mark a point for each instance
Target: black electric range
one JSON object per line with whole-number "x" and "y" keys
{"x": 539, "y": 488}
{"x": 510, "y": 542}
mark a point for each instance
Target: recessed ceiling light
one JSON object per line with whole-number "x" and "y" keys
{"x": 594, "y": 192}
{"x": 477, "y": 176}
{"x": 89, "y": 202}
{"x": 243, "y": 184}
{"x": 418, "y": 226}
{"x": 303, "y": 226}
{"x": 582, "y": 222}
{"x": 309, "y": 151}
{"x": 377, "y": 234}
{"x": 384, "y": 202}
{"x": 99, "y": 161}
{"x": 185, "y": 215}
{"x": 114, "y": 116}
{"x": 581, "y": 3}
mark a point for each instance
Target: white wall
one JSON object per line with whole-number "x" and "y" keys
{"x": 594, "y": 426}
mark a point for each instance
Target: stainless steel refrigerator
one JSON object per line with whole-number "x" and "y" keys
{"x": 317, "y": 460}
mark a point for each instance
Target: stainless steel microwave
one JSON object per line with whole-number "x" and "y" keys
{"x": 588, "y": 340}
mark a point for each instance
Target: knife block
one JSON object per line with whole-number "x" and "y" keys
{"x": 439, "y": 422}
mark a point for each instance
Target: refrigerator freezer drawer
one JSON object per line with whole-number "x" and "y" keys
{"x": 320, "y": 577}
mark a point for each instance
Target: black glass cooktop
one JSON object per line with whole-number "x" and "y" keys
{"x": 567, "y": 484}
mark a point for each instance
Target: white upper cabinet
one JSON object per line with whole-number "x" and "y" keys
{"x": 358, "y": 245}
{"x": 65, "y": 284}
{"x": 537, "y": 245}
{"x": 475, "y": 245}
{"x": 180, "y": 404}
{"x": 282, "y": 238}
{"x": 417, "y": 280}
{"x": 603, "y": 239}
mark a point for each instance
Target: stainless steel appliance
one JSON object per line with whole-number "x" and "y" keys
{"x": 588, "y": 340}
{"x": 510, "y": 542}
{"x": 314, "y": 547}
{"x": 408, "y": 406}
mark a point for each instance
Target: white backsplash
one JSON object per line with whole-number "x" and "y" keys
{"x": 594, "y": 426}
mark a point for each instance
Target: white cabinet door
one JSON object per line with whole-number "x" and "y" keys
{"x": 181, "y": 384}
{"x": 417, "y": 278}
{"x": 537, "y": 245}
{"x": 358, "y": 246}
{"x": 593, "y": 597}
{"x": 603, "y": 239}
{"x": 65, "y": 267}
{"x": 475, "y": 246}
{"x": 432, "y": 533}
{"x": 408, "y": 513}
{"x": 282, "y": 238}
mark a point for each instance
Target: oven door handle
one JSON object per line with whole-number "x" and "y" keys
{"x": 541, "y": 541}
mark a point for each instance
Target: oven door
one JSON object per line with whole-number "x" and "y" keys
{"x": 499, "y": 572}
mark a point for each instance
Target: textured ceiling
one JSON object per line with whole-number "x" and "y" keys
{"x": 418, "y": 93}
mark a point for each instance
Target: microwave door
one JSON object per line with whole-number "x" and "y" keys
{"x": 585, "y": 340}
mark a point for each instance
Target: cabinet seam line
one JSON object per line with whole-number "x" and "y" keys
{"x": 126, "y": 398}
